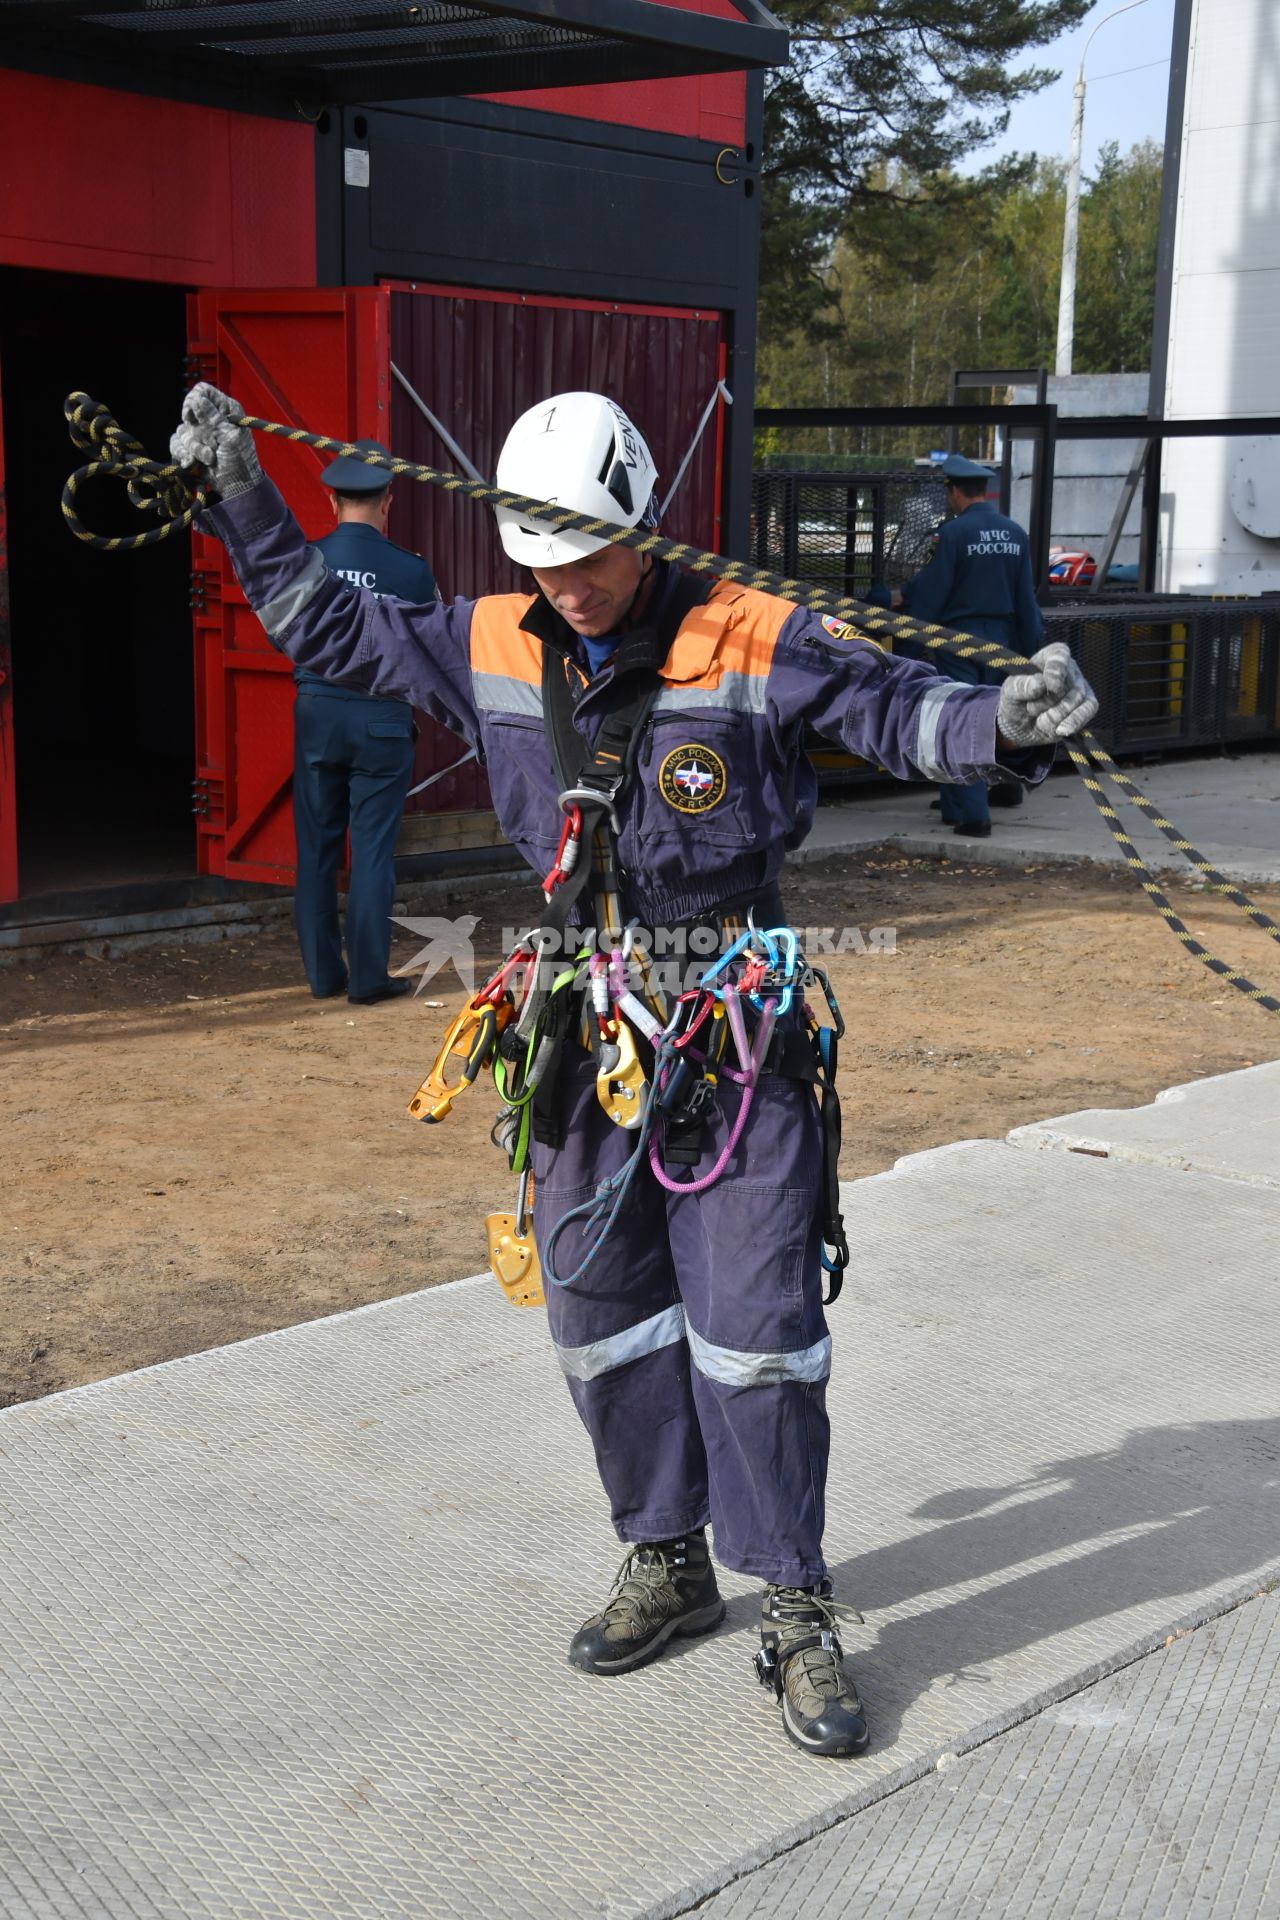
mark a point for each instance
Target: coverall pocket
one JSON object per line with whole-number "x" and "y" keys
{"x": 391, "y": 729}
{"x": 524, "y": 788}
{"x": 759, "y": 1246}
{"x": 696, "y": 782}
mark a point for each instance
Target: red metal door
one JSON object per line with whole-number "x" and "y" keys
{"x": 321, "y": 360}
{"x": 8, "y": 799}
{"x": 318, "y": 359}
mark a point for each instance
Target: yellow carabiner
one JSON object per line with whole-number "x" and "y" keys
{"x": 621, "y": 1087}
{"x": 471, "y": 1038}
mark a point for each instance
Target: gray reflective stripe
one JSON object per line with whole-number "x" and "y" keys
{"x": 499, "y": 693}
{"x": 735, "y": 1369}
{"x": 276, "y": 614}
{"x": 927, "y": 741}
{"x": 601, "y": 1356}
{"x": 738, "y": 692}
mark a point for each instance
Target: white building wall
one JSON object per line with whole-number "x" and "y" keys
{"x": 1224, "y": 323}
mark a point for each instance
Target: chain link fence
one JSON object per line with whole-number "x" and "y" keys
{"x": 848, "y": 531}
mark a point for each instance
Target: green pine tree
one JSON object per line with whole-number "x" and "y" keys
{"x": 879, "y": 93}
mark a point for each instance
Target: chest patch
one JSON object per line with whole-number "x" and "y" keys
{"x": 692, "y": 779}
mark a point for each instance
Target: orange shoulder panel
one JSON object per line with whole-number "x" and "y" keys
{"x": 734, "y": 631}
{"x": 499, "y": 644}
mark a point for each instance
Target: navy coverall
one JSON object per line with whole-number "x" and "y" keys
{"x": 353, "y": 758}
{"x": 695, "y": 1347}
{"x": 978, "y": 581}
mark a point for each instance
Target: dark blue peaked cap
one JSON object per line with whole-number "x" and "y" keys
{"x": 956, "y": 467}
{"x": 347, "y": 475}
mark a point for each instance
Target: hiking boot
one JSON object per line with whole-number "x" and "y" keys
{"x": 662, "y": 1588}
{"x": 800, "y": 1661}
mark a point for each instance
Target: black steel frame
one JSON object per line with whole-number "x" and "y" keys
{"x": 365, "y": 52}
{"x": 1178, "y": 671}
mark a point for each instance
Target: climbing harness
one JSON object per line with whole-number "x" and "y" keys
{"x": 683, "y": 1088}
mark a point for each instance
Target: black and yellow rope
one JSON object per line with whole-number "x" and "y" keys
{"x": 1090, "y": 754}
{"x": 155, "y": 486}
{"x": 176, "y": 496}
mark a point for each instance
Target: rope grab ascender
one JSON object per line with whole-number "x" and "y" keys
{"x": 518, "y": 1035}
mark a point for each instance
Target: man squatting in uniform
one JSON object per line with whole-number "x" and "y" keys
{"x": 695, "y": 1345}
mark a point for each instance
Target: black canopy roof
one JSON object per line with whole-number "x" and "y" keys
{"x": 346, "y": 51}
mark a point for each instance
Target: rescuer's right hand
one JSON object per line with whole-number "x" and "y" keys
{"x": 212, "y": 437}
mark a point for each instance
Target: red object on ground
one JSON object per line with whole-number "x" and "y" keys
{"x": 1071, "y": 567}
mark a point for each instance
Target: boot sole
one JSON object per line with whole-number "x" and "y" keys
{"x": 826, "y": 1749}
{"x": 705, "y": 1620}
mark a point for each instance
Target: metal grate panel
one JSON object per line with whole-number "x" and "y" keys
{"x": 366, "y": 50}
{"x": 850, "y": 531}
{"x": 1178, "y": 673}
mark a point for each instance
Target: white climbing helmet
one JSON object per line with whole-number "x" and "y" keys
{"x": 574, "y": 450}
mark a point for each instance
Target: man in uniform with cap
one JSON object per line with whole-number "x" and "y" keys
{"x": 353, "y": 758}
{"x": 978, "y": 581}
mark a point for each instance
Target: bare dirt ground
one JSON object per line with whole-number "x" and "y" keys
{"x": 198, "y": 1151}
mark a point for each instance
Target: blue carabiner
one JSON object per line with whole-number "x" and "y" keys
{"x": 743, "y": 941}
{"x": 783, "y": 966}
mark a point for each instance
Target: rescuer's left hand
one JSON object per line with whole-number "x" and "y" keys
{"x": 212, "y": 437}
{"x": 1050, "y": 704}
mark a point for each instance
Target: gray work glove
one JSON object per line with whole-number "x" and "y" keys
{"x": 211, "y": 437}
{"x": 1051, "y": 704}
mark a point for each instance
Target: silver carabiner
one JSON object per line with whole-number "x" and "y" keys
{"x": 522, "y": 1202}
{"x": 585, "y": 796}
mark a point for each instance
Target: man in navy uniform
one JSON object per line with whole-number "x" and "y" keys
{"x": 977, "y": 581}
{"x": 353, "y": 758}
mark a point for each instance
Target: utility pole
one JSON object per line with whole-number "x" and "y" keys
{"x": 1071, "y": 225}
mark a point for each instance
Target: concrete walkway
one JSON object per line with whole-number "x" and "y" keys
{"x": 1229, "y": 808}
{"x": 283, "y": 1624}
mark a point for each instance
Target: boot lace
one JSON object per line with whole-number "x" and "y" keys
{"x": 797, "y": 1613}
{"x": 645, "y": 1587}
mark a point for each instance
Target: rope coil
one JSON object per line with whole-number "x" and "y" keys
{"x": 153, "y": 486}
{"x": 176, "y": 496}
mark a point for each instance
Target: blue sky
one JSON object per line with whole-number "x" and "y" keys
{"x": 1127, "y": 80}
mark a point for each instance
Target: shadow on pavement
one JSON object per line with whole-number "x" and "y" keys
{"x": 1171, "y": 1512}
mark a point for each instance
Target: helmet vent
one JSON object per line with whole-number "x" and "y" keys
{"x": 618, "y": 486}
